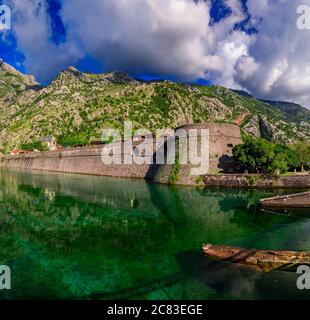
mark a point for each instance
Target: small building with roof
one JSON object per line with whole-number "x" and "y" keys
{"x": 51, "y": 142}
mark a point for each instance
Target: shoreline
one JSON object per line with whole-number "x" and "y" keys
{"x": 88, "y": 161}
{"x": 259, "y": 181}
{"x": 228, "y": 181}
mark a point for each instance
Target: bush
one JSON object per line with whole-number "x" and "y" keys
{"x": 252, "y": 180}
{"x": 174, "y": 175}
{"x": 35, "y": 145}
{"x": 262, "y": 156}
{"x": 72, "y": 140}
{"x": 289, "y": 154}
{"x": 255, "y": 155}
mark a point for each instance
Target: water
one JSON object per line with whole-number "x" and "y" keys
{"x": 83, "y": 237}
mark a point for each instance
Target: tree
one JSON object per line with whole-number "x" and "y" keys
{"x": 279, "y": 164}
{"x": 290, "y": 155}
{"x": 34, "y": 145}
{"x": 71, "y": 140}
{"x": 255, "y": 155}
{"x": 260, "y": 155}
{"x": 303, "y": 153}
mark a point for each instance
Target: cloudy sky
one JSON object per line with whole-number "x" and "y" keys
{"x": 253, "y": 45}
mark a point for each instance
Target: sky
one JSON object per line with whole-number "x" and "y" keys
{"x": 253, "y": 45}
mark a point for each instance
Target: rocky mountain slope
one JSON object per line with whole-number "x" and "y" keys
{"x": 76, "y": 107}
{"x": 293, "y": 112}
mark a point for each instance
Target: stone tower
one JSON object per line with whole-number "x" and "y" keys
{"x": 222, "y": 139}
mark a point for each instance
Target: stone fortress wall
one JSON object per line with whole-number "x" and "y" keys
{"x": 79, "y": 160}
{"x": 223, "y": 138}
{"x": 87, "y": 160}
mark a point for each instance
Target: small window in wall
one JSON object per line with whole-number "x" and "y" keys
{"x": 230, "y": 145}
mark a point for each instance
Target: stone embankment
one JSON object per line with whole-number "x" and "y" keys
{"x": 299, "y": 181}
{"x": 87, "y": 160}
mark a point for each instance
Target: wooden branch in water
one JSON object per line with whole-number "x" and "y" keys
{"x": 261, "y": 260}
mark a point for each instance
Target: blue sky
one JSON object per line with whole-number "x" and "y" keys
{"x": 245, "y": 44}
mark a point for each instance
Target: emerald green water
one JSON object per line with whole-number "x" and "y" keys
{"x": 82, "y": 237}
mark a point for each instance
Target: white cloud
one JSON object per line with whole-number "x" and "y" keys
{"x": 174, "y": 38}
{"x": 163, "y": 37}
{"x": 32, "y": 30}
{"x": 278, "y": 62}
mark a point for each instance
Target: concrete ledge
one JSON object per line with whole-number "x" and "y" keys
{"x": 299, "y": 181}
{"x": 297, "y": 200}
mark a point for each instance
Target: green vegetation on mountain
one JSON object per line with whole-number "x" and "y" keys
{"x": 293, "y": 112}
{"x": 76, "y": 107}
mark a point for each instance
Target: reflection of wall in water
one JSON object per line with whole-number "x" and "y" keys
{"x": 205, "y": 210}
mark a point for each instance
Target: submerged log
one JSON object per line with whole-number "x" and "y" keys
{"x": 261, "y": 260}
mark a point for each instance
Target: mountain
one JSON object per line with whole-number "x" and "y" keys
{"x": 12, "y": 83}
{"x": 243, "y": 93}
{"x": 293, "y": 112}
{"x": 76, "y": 106}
